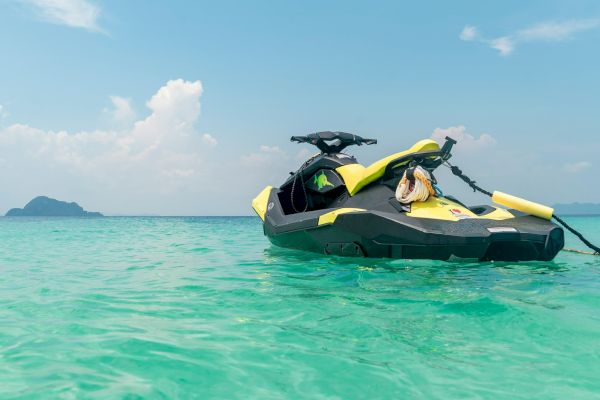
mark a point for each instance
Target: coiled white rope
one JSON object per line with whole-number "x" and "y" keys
{"x": 418, "y": 189}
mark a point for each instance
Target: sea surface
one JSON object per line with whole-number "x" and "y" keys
{"x": 184, "y": 308}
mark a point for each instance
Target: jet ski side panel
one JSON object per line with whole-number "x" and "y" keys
{"x": 389, "y": 233}
{"x": 380, "y": 235}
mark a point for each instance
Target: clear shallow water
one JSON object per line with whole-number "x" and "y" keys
{"x": 206, "y": 308}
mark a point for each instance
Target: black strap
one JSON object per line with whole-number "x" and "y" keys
{"x": 456, "y": 171}
{"x": 410, "y": 174}
{"x": 299, "y": 172}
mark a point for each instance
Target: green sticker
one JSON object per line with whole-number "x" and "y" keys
{"x": 321, "y": 181}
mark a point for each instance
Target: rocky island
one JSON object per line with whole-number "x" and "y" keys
{"x": 43, "y": 206}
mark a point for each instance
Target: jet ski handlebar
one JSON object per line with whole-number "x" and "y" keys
{"x": 332, "y": 142}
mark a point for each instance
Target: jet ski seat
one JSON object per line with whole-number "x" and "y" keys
{"x": 356, "y": 176}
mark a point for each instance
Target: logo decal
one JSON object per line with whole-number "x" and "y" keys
{"x": 459, "y": 214}
{"x": 321, "y": 181}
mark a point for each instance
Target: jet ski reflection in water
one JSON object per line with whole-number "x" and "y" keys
{"x": 394, "y": 208}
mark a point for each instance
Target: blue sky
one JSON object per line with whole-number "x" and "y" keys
{"x": 162, "y": 107}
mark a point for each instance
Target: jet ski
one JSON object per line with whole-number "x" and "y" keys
{"x": 334, "y": 205}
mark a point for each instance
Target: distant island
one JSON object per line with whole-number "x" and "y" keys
{"x": 577, "y": 209}
{"x": 43, "y": 206}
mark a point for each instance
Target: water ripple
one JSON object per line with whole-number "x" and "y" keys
{"x": 202, "y": 308}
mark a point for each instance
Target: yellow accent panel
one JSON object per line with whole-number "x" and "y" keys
{"x": 439, "y": 208}
{"x": 356, "y": 176}
{"x": 260, "y": 202}
{"x": 526, "y": 206}
{"x": 351, "y": 174}
{"x": 447, "y": 210}
{"x": 498, "y": 215}
{"x": 330, "y": 217}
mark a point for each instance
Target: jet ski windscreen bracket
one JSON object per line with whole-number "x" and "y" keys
{"x": 447, "y": 148}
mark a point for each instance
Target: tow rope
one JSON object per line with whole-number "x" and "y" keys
{"x": 456, "y": 171}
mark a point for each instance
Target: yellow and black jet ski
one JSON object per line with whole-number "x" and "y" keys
{"x": 334, "y": 205}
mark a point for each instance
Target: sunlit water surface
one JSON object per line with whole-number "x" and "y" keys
{"x": 207, "y": 308}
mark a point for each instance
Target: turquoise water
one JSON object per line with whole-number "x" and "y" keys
{"x": 205, "y": 308}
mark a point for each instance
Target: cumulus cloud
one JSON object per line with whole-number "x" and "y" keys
{"x": 549, "y": 31}
{"x": 209, "y": 140}
{"x": 468, "y": 33}
{"x": 303, "y": 154}
{"x": 264, "y": 156}
{"x": 576, "y": 167}
{"x": 465, "y": 141}
{"x": 156, "y": 156}
{"x": 504, "y": 45}
{"x": 160, "y": 163}
{"x": 122, "y": 111}
{"x": 74, "y": 13}
{"x": 269, "y": 165}
{"x": 271, "y": 150}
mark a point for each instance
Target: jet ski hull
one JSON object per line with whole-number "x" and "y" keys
{"x": 389, "y": 233}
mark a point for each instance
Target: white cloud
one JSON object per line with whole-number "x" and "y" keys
{"x": 465, "y": 141}
{"x": 144, "y": 168}
{"x": 209, "y": 140}
{"x": 468, "y": 33}
{"x": 271, "y": 149}
{"x": 304, "y": 153}
{"x": 122, "y": 112}
{"x": 74, "y": 13}
{"x": 577, "y": 166}
{"x": 159, "y": 164}
{"x": 504, "y": 45}
{"x": 557, "y": 31}
{"x": 3, "y": 112}
{"x": 265, "y": 155}
{"x": 267, "y": 165}
{"x": 549, "y": 31}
